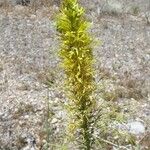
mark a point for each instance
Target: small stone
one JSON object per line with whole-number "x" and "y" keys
{"x": 26, "y": 117}
{"x": 126, "y": 110}
{"x": 54, "y": 120}
{"x": 20, "y": 122}
{"x": 60, "y": 115}
{"x": 33, "y": 16}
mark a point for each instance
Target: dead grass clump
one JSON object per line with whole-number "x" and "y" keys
{"x": 112, "y": 95}
{"x": 1, "y": 67}
{"x": 23, "y": 109}
{"x": 104, "y": 73}
{"x": 132, "y": 87}
{"x": 43, "y": 8}
{"x": 21, "y": 142}
{"x": 24, "y": 87}
{"x": 145, "y": 141}
{"x": 36, "y": 4}
{"x": 120, "y": 87}
{"x": 46, "y": 77}
{"x": 5, "y": 5}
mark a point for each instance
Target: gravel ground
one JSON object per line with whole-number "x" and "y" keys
{"x": 29, "y": 61}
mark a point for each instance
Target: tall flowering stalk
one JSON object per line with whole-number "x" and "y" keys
{"x": 77, "y": 58}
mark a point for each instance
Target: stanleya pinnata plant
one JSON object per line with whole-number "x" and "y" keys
{"x": 77, "y": 60}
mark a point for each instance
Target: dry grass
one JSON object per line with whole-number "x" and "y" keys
{"x": 47, "y": 7}
{"x": 23, "y": 109}
{"x": 5, "y": 5}
{"x": 1, "y": 67}
{"x": 145, "y": 141}
{"x": 112, "y": 95}
{"x": 115, "y": 87}
{"x": 46, "y": 77}
{"x": 24, "y": 86}
{"x": 132, "y": 87}
{"x": 35, "y": 5}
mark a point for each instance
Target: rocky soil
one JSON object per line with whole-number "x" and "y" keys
{"x": 29, "y": 64}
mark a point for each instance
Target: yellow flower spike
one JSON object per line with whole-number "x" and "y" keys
{"x": 77, "y": 59}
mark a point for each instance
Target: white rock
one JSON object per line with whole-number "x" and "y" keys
{"x": 54, "y": 120}
{"x": 136, "y": 127}
{"x": 29, "y": 148}
{"x": 26, "y": 117}
{"x": 33, "y": 16}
